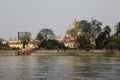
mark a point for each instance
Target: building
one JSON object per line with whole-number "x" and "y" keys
{"x": 59, "y": 39}
{"x": 70, "y": 42}
{"x": 70, "y": 36}
{"x": 18, "y": 44}
{"x": 15, "y": 43}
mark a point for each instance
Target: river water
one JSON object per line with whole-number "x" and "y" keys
{"x": 59, "y": 68}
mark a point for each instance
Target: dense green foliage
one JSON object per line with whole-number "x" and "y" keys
{"x": 100, "y": 40}
{"x": 3, "y": 46}
{"x": 93, "y": 30}
{"x": 107, "y": 41}
{"x": 107, "y": 31}
{"x": 84, "y": 43}
{"x": 51, "y": 44}
{"x": 85, "y": 26}
{"x": 95, "y": 27}
{"x": 117, "y": 28}
{"x": 45, "y": 34}
{"x": 90, "y": 29}
{"x": 113, "y": 42}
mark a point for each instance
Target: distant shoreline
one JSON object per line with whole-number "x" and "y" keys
{"x": 64, "y": 53}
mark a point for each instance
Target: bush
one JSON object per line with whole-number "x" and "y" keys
{"x": 88, "y": 47}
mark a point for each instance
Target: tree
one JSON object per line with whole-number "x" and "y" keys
{"x": 113, "y": 42}
{"x": 84, "y": 43}
{"x": 95, "y": 27}
{"x": 24, "y": 37}
{"x": 1, "y": 43}
{"x": 100, "y": 40}
{"x": 39, "y": 37}
{"x": 117, "y": 28}
{"x": 3, "y": 46}
{"x": 51, "y": 44}
{"x": 85, "y": 27}
{"x": 46, "y": 34}
{"x": 61, "y": 45}
{"x": 47, "y": 38}
{"x": 107, "y": 30}
{"x": 72, "y": 32}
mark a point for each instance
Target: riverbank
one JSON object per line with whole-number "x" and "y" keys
{"x": 65, "y": 53}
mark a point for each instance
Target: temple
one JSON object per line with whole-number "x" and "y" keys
{"x": 70, "y": 36}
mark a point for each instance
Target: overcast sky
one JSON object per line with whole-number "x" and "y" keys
{"x": 33, "y": 15}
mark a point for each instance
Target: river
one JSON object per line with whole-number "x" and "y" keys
{"x": 59, "y": 68}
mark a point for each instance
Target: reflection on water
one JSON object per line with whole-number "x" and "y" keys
{"x": 59, "y": 68}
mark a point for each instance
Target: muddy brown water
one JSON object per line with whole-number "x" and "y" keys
{"x": 59, "y": 68}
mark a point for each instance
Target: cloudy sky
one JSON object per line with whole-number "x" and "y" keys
{"x": 33, "y": 15}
